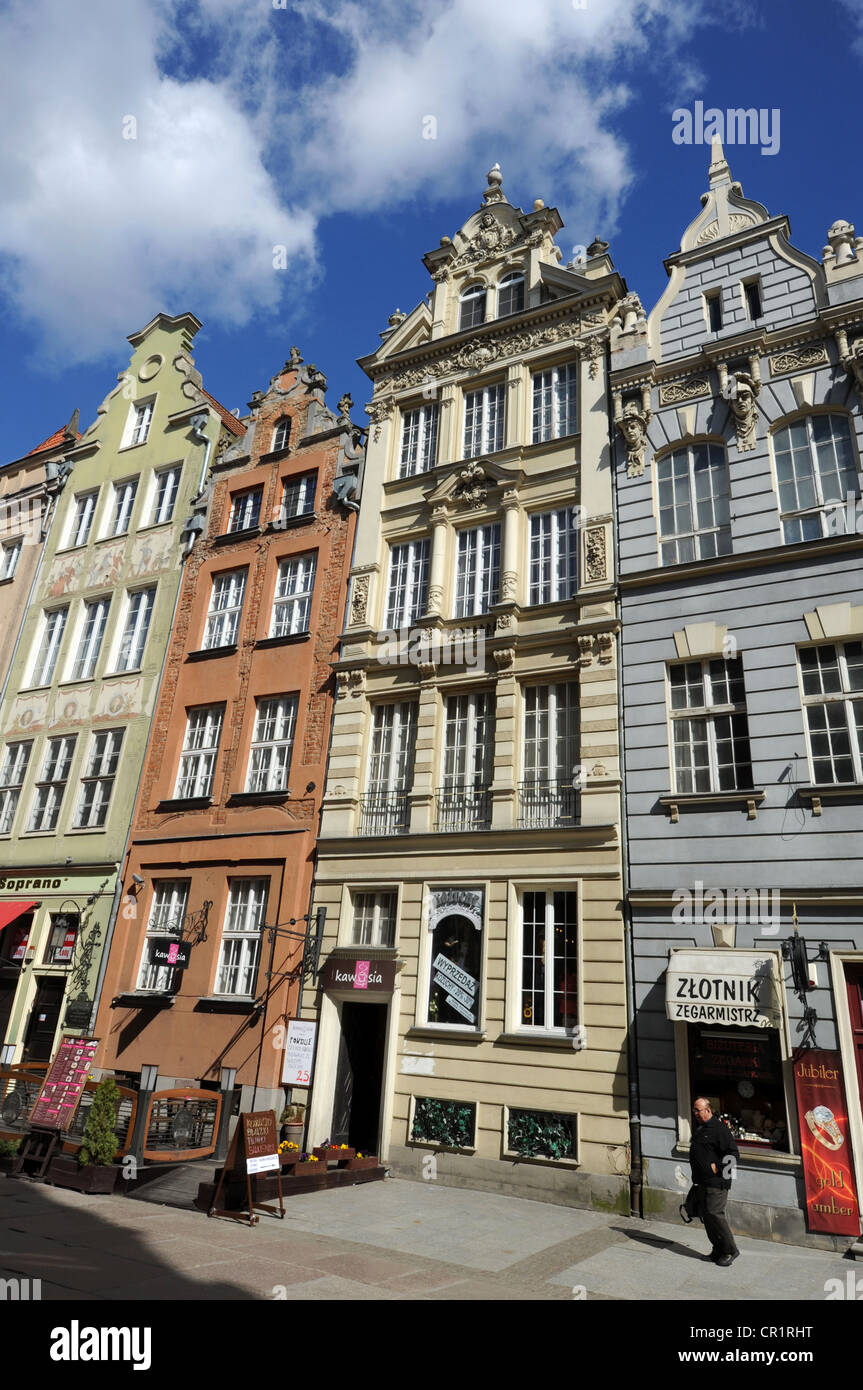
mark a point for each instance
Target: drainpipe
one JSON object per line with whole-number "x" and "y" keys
{"x": 199, "y": 432}
{"x": 636, "y": 1164}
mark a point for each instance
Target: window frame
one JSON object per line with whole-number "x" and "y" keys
{"x": 376, "y": 939}
{"x": 407, "y": 590}
{"x": 197, "y": 756}
{"x": 224, "y": 621}
{"x": 571, "y": 889}
{"x": 473, "y": 294}
{"x": 249, "y": 937}
{"x": 418, "y": 440}
{"x": 237, "y": 511}
{"x": 96, "y": 776}
{"x": 305, "y": 485}
{"x": 488, "y": 436}
{"x": 161, "y": 476}
{"x": 88, "y": 644}
{"x": 10, "y": 554}
{"x": 258, "y": 743}
{"x": 470, "y": 586}
{"x": 10, "y": 791}
{"x": 80, "y": 517}
{"x": 845, "y": 697}
{"x": 283, "y": 426}
{"x": 821, "y": 509}
{"x": 563, "y": 547}
{"x": 512, "y": 277}
{"x": 47, "y": 656}
{"x": 124, "y": 495}
{"x": 131, "y": 629}
{"x": 294, "y": 600}
{"x": 710, "y": 711}
{"x": 53, "y": 798}
{"x": 559, "y": 417}
{"x": 167, "y": 924}
{"x": 140, "y": 418}
{"x": 697, "y": 534}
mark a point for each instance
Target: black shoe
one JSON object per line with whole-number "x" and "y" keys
{"x": 734, "y": 1254}
{"x": 684, "y": 1214}
{"x": 724, "y": 1261}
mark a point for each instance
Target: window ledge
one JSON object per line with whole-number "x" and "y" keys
{"x": 259, "y": 798}
{"x": 760, "y": 1158}
{"x": 440, "y": 1148}
{"x": 289, "y": 522}
{"x": 511, "y": 1156}
{"x": 185, "y": 803}
{"x": 285, "y": 641}
{"x": 79, "y": 680}
{"x": 225, "y": 1004}
{"x": 204, "y": 652}
{"x": 562, "y": 1042}
{"x": 747, "y": 800}
{"x": 157, "y": 999}
{"x": 248, "y": 533}
{"x": 442, "y": 1032}
{"x": 830, "y": 791}
{"x": 87, "y": 830}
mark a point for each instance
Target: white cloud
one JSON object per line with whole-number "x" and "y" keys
{"x": 248, "y": 132}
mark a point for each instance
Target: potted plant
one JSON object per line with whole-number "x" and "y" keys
{"x": 306, "y": 1165}
{"x": 360, "y": 1162}
{"x": 329, "y": 1152}
{"x": 8, "y": 1154}
{"x": 95, "y": 1170}
{"x": 293, "y": 1124}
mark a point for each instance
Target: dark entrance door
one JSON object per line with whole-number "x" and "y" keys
{"x": 359, "y": 1077}
{"x": 42, "y": 1026}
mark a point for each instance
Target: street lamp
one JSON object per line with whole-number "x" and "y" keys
{"x": 149, "y": 1081}
{"x": 227, "y": 1078}
{"x": 7, "y": 1054}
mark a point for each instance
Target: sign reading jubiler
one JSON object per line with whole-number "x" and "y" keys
{"x": 828, "y": 1165}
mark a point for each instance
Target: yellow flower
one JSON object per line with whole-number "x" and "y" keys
{"x": 312, "y": 1159}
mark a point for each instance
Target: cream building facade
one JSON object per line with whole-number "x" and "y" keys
{"x": 471, "y": 995}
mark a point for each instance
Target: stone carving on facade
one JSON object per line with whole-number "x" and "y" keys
{"x": 630, "y": 311}
{"x": 345, "y": 409}
{"x": 811, "y": 355}
{"x": 471, "y": 490}
{"x": 295, "y": 360}
{"x": 509, "y": 586}
{"x": 851, "y": 357}
{"x": 315, "y": 379}
{"x": 426, "y": 670}
{"x": 504, "y": 659}
{"x": 605, "y": 643}
{"x": 736, "y": 223}
{"x": 510, "y": 343}
{"x": 673, "y": 392}
{"x": 434, "y": 602}
{"x": 585, "y": 650}
{"x": 842, "y": 246}
{"x": 490, "y": 238}
{"x": 378, "y": 412}
{"x": 596, "y": 559}
{"x": 740, "y": 389}
{"x": 598, "y": 770}
{"x": 503, "y": 622}
{"x": 359, "y": 599}
{"x": 632, "y": 420}
{"x": 356, "y": 683}
{"x": 341, "y": 685}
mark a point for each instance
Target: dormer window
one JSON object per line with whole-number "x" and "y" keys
{"x": 752, "y": 295}
{"x": 472, "y": 307}
{"x": 281, "y": 434}
{"x": 510, "y": 295}
{"x": 713, "y": 309}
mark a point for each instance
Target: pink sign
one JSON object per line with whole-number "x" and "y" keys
{"x": 361, "y": 974}
{"x": 173, "y": 952}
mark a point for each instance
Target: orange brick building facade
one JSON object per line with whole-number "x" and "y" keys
{"x": 223, "y": 835}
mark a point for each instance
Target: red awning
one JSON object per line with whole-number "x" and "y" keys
{"x": 9, "y": 911}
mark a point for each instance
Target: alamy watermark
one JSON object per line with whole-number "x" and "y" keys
{"x": 736, "y": 126}
{"x": 433, "y": 647}
{"x": 755, "y": 906}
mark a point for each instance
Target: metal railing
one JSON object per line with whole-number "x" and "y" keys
{"x": 183, "y": 1124}
{"x": 545, "y": 804}
{"x": 463, "y": 808}
{"x": 384, "y": 813}
{"x": 20, "y": 1086}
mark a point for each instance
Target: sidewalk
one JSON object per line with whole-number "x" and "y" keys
{"x": 390, "y": 1240}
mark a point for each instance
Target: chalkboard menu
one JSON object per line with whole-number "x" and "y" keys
{"x": 64, "y": 1084}
{"x": 257, "y": 1143}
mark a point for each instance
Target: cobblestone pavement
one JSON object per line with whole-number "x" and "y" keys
{"x": 387, "y": 1240}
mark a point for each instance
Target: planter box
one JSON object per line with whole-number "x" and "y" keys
{"x": 7, "y": 1164}
{"x": 67, "y": 1172}
{"x": 356, "y": 1165}
{"x": 333, "y": 1155}
{"x": 289, "y": 1157}
{"x": 305, "y": 1170}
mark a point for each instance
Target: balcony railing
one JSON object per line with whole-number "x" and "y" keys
{"x": 384, "y": 813}
{"x": 546, "y": 804}
{"x": 463, "y": 808}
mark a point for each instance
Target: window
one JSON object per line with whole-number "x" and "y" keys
{"x": 549, "y": 960}
{"x": 477, "y": 570}
{"x": 752, "y": 296}
{"x": 298, "y": 498}
{"x": 61, "y": 942}
{"x": 391, "y": 769}
{"x": 281, "y": 434}
{"x": 293, "y": 600}
{"x": 241, "y": 937}
{"x": 464, "y": 800}
{"x": 167, "y": 914}
{"x": 134, "y": 639}
{"x": 694, "y": 517}
{"x": 483, "y": 420}
{"x": 721, "y": 1061}
{"x": 472, "y": 307}
{"x": 16, "y": 758}
{"x": 98, "y": 780}
{"x": 90, "y": 640}
{"x": 553, "y": 556}
{"x": 245, "y": 510}
{"x": 124, "y": 501}
{"x": 200, "y": 750}
{"x": 167, "y": 487}
{"x": 833, "y": 700}
{"x": 408, "y": 583}
{"x": 713, "y": 306}
{"x": 15, "y": 938}
{"x": 226, "y": 605}
{"x": 140, "y": 420}
{"x": 549, "y": 792}
{"x": 510, "y": 295}
{"x": 419, "y": 440}
{"x": 52, "y": 783}
{"x": 816, "y": 470}
{"x": 555, "y": 402}
{"x": 374, "y": 919}
{"x": 9, "y": 557}
{"x": 456, "y": 962}
{"x": 272, "y": 741}
{"x": 710, "y": 728}
{"x": 53, "y": 627}
{"x": 82, "y": 519}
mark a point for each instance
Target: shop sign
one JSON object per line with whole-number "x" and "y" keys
{"x": 259, "y": 1141}
{"x": 167, "y": 951}
{"x": 299, "y": 1050}
{"x": 828, "y": 1165}
{"x": 64, "y": 1083}
{"x": 731, "y": 988}
{"x": 342, "y": 973}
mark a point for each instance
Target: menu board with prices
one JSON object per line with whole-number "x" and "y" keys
{"x": 63, "y": 1086}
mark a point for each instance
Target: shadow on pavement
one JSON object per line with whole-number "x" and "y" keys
{"x": 659, "y": 1243}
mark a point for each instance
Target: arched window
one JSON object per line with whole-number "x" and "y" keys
{"x": 282, "y": 433}
{"x": 816, "y": 470}
{"x": 694, "y": 516}
{"x": 510, "y": 294}
{"x": 472, "y": 307}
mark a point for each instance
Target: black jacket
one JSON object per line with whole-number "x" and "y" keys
{"x": 711, "y": 1143}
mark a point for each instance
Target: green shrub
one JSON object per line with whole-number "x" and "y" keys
{"x": 9, "y": 1147}
{"x": 448, "y": 1122}
{"x": 99, "y": 1144}
{"x": 541, "y": 1134}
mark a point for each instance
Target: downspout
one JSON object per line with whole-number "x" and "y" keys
{"x": 636, "y": 1162}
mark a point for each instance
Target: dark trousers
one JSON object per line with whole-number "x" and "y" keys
{"x": 713, "y": 1203}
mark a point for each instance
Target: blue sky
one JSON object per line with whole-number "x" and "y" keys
{"x": 264, "y": 123}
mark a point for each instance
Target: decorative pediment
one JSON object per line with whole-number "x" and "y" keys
{"x": 469, "y": 484}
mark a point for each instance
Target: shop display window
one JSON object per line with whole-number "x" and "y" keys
{"x": 739, "y": 1070}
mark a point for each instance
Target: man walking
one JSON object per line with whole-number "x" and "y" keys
{"x": 712, "y": 1156}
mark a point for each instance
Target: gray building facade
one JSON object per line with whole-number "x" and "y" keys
{"x": 738, "y": 406}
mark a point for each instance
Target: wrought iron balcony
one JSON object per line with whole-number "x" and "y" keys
{"x": 545, "y": 804}
{"x": 384, "y": 813}
{"x": 463, "y": 808}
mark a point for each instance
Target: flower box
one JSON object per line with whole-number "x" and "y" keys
{"x": 355, "y": 1164}
{"x": 333, "y": 1152}
{"x": 308, "y": 1169}
{"x": 65, "y": 1171}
